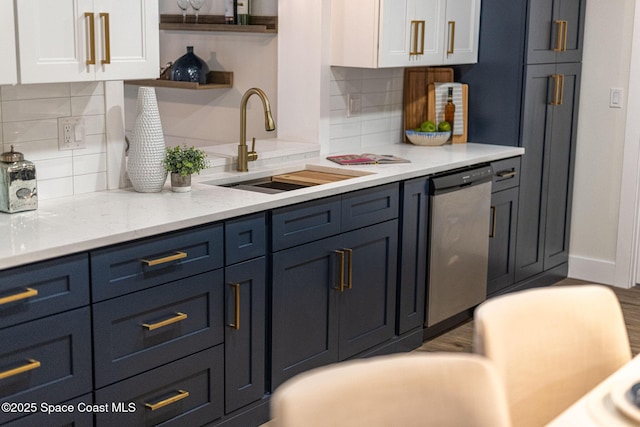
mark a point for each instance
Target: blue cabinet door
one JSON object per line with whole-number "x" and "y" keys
{"x": 245, "y": 333}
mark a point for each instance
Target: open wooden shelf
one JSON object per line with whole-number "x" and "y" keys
{"x": 215, "y": 80}
{"x": 257, "y": 24}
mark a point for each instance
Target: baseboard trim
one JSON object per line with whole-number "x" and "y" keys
{"x": 592, "y": 270}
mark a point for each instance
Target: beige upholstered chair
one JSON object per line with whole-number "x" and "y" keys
{"x": 408, "y": 390}
{"x": 551, "y": 346}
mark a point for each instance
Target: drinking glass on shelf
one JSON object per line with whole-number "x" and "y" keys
{"x": 196, "y": 5}
{"x": 183, "y": 5}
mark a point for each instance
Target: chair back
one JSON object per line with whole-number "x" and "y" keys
{"x": 551, "y": 346}
{"x": 409, "y": 390}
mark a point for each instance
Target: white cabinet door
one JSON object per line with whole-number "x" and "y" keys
{"x": 80, "y": 40}
{"x": 8, "y": 71}
{"x": 131, "y": 51}
{"x": 411, "y": 33}
{"x": 463, "y": 25}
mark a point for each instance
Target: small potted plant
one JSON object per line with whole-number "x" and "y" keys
{"x": 182, "y": 162}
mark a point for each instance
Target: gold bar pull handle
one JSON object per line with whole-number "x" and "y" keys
{"x": 179, "y": 317}
{"x": 420, "y": 25}
{"x": 340, "y": 286}
{"x": 152, "y": 262}
{"x": 565, "y": 24}
{"x": 414, "y": 45}
{"x": 107, "y": 39}
{"x": 182, "y": 394}
{"x": 236, "y": 292}
{"x": 556, "y": 91}
{"x": 507, "y": 174}
{"x": 494, "y": 216}
{"x": 561, "y": 90}
{"x": 349, "y": 253}
{"x": 452, "y": 37}
{"x": 27, "y": 293}
{"x": 33, "y": 364}
{"x": 559, "y": 29}
{"x": 92, "y": 39}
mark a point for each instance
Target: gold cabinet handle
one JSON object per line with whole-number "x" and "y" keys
{"x": 33, "y": 364}
{"x": 27, "y": 293}
{"x": 349, "y": 284}
{"x": 559, "y": 89}
{"x": 452, "y": 37}
{"x": 152, "y": 262}
{"x": 92, "y": 39}
{"x": 107, "y": 39}
{"x": 182, "y": 394}
{"x": 340, "y": 286}
{"x": 417, "y": 26}
{"x": 561, "y": 39}
{"x": 507, "y": 174}
{"x": 179, "y": 317}
{"x": 564, "y": 39}
{"x": 494, "y": 216}
{"x": 236, "y": 292}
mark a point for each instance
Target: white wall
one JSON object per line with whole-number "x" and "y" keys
{"x": 601, "y": 139}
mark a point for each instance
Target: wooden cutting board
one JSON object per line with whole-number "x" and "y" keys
{"x": 310, "y": 177}
{"x": 416, "y": 83}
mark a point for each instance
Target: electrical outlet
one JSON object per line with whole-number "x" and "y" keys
{"x": 354, "y": 105}
{"x": 71, "y": 133}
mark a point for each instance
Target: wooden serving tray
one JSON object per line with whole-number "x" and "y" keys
{"x": 309, "y": 177}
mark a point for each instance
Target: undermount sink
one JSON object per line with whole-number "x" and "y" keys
{"x": 293, "y": 180}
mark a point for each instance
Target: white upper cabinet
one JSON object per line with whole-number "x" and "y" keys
{"x": 80, "y": 40}
{"x": 400, "y": 33}
{"x": 8, "y": 71}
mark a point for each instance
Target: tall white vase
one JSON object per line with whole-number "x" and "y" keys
{"x": 147, "y": 149}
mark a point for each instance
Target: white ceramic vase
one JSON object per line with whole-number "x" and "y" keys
{"x": 147, "y": 148}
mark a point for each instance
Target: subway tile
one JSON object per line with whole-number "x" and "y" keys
{"x": 338, "y": 102}
{"x": 89, "y": 163}
{"x": 46, "y": 149}
{"x": 89, "y": 183}
{"x": 53, "y": 188}
{"x": 344, "y": 130}
{"x": 87, "y": 105}
{"x": 87, "y": 88}
{"x": 345, "y": 145}
{"x": 35, "y": 91}
{"x": 346, "y": 73}
{"x": 376, "y": 85}
{"x": 54, "y": 168}
{"x": 94, "y": 144}
{"x": 94, "y": 124}
{"x": 32, "y": 130}
{"x": 36, "y": 109}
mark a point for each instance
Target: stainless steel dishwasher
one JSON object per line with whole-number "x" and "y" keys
{"x": 458, "y": 241}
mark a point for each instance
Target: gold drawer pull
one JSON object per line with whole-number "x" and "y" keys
{"x": 182, "y": 394}
{"x": 179, "y": 317}
{"x": 151, "y": 262}
{"x": 452, "y": 37}
{"x": 507, "y": 174}
{"x": 33, "y": 364}
{"x": 236, "y": 291}
{"x": 27, "y": 293}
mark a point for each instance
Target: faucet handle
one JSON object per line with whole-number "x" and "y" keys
{"x": 252, "y": 155}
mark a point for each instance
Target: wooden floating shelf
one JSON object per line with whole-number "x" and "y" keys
{"x": 257, "y": 24}
{"x": 215, "y": 80}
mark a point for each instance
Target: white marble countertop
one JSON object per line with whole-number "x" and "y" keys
{"x": 78, "y": 223}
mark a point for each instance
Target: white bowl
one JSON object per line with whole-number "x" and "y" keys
{"x": 427, "y": 138}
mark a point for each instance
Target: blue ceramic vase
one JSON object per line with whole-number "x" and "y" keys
{"x": 190, "y": 68}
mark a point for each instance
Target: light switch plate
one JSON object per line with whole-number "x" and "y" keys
{"x": 71, "y": 133}
{"x": 615, "y": 97}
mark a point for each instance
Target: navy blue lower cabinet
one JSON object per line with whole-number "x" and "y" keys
{"x": 333, "y": 299}
{"x": 504, "y": 216}
{"x": 245, "y": 333}
{"x": 187, "y": 392}
{"x": 412, "y": 282}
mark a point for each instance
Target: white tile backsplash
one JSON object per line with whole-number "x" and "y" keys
{"x": 29, "y": 121}
{"x": 380, "y": 118}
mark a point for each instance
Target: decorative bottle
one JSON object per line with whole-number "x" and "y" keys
{"x": 243, "y": 10}
{"x": 450, "y": 109}
{"x": 190, "y": 68}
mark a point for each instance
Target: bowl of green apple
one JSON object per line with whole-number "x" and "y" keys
{"x": 428, "y": 134}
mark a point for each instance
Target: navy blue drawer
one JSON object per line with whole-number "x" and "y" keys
{"x": 46, "y": 360}
{"x": 42, "y": 289}
{"x": 506, "y": 174}
{"x": 298, "y": 224}
{"x": 245, "y": 238}
{"x": 130, "y": 267}
{"x": 370, "y": 206}
{"x": 75, "y": 418}
{"x": 191, "y": 390}
{"x": 146, "y": 329}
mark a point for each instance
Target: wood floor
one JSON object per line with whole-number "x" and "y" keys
{"x": 459, "y": 339}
